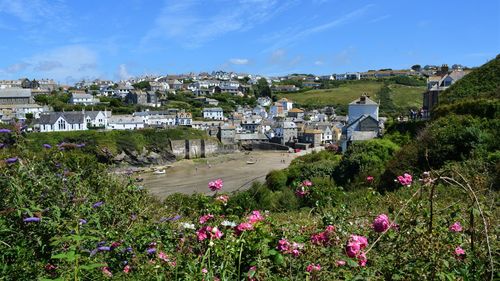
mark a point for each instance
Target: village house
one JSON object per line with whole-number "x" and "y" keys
{"x": 264, "y": 101}
{"x": 437, "y": 84}
{"x": 213, "y": 113}
{"x": 362, "y": 122}
{"x": 96, "y": 119}
{"x": 285, "y": 88}
{"x": 125, "y": 122}
{"x": 296, "y": 113}
{"x": 286, "y": 132}
{"x": 183, "y": 118}
{"x": 61, "y": 121}
{"x": 83, "y": 99}
{"x": 15, "y": 96}
{"x": 312, "y": 136}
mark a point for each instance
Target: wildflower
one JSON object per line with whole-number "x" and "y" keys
{"x": 255, "y": 217}
{"x": 228, "y": 223}
{"x": 11, "y": 160}
{"x": 301, "y": 192}
{"x": 151, "y": 251}
{"x": 80, "y": 145}
{"x": 205, "y": 218}
{"x": 98, "y": 204}
{"x": 115, "y": 244}
{"x": 186, "y": 225}
{"x": 47, "y": 146}
{"x": 313, "y": 267}
{"x": 405, "y": 179}
{"x": 352, "y": 249}
{"x": 244, "y": 226}
{"x": 369, "y": 179}
{"x": 283, "y": 245}
{"x": 126, "y": 269}
{"x": 202, "y": 233}
{"x": 32, "y": 219}
{"x": 5, "y": 131}
{"x": 162, "y": 256}
{"x": 456, "y": 227}
{"x": 103, "y": 249}
{"x": 223, "y": 199}
{"x": 82, "y": 221}
{"x": 459, "y": 252}
{"x": 204, "y": 271}
{"x": 307, "y": 183}
{"x": 323, "y": 238}
{"x": 177, "y": 217}
{"x": 2, "y": 145}
{"x": 251, "y": 273}
{"x": 340, "y": 263}
{"x": 50, "y": 267}
{"x": 381, "y": 223}
{"x": 362, "y": 259}
{"x": 105, "y": 271}
{"x": 216, "y": 185}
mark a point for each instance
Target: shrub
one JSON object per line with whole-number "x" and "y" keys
{"x": 276, "y": 180}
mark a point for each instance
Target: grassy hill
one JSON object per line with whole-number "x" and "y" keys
{"x": 403, "y": 97}
{"x": 483, "y": 82}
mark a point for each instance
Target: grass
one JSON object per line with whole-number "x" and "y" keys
{"x": 337, "y": 96}
{"x": 406, "y": 96}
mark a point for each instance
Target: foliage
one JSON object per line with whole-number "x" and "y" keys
{"x": 483, "y": 82}
{"x": 143, "y": 85}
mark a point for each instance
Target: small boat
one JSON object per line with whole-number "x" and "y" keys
{"x": 251, "y": 161}
{"x": 139, "y": 179}
{"x": 159, "y": 172}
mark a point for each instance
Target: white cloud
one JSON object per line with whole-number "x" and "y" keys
{"x": 188, "y": 23}
{"x": 319, "y": 62}
{"x": 15, "y": 68}
{"x": 239, "y": 61}
{"x": 123, "y": 72}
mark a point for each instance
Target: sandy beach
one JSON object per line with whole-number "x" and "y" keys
{"x": 190, "y": 176}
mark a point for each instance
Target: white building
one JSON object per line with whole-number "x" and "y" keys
{"x": 97, "y": 118}
{"x": 213, "y": 113}
{"x": 362, "y": 106}
{"x": 125, "y": 122}
{"x": 183, "y": 118}
{"x": 61, "y": 121}
{"x": 84, "y": 99}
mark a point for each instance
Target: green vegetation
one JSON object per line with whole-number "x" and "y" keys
{"x": 483, "y": 82}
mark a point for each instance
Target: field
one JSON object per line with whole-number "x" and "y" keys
{"x": 402, "y": 96}
{"x": 406, "y": 96}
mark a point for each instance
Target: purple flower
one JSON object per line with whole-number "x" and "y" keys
{"x": 46, "y": 145}
{"x": 80, "y": 145}
{"x": 101, "y": 243}
{"x": 98, "y": 204}
{"x": 104, "y": 248}
{"x": 32, "y": 219}
{"x": 2, "y": 145}
{"x": 93, "y": 252}
{"x": 5, "y": 131}
{"x": 11, "y": 160}
{"x": 151, "y": 250}
{"x": 170, "y": 219}
{"x": 82, "y": 221}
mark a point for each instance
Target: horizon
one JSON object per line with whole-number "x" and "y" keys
{"x": 68, "y": 41}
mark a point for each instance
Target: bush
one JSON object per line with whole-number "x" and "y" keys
{"x": 276, "y": 180}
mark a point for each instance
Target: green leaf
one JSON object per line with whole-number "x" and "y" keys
{"x": 279, "y": 259}
{"x": 92, "y": 266}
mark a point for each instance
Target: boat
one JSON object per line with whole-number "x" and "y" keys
{"x": 139, "y": 179}
{"x": 250, "y": 162}
{"x": 159, "y": 172}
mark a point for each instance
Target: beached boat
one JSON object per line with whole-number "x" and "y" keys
{"x": 139, "y": 179}
{"x": 159, "y": 172}
{"x": 251, "y": 161}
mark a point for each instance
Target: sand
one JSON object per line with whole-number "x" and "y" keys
{"x": 190, "y": 176}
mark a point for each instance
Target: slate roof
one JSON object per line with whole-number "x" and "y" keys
{"x": 212, "y": 109}
{"x": 364, "y": 100}
{"x": 81, "y": 96}
{"x": 15, "y": 93}
{"x": 74, "y": 117}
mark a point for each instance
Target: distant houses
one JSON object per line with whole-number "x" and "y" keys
{"x": 437, "y": 84}
{"x": 83, "y": 99}
{"x": 213, "y": 113}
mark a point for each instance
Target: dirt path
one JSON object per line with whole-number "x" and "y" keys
{"x": 190, "y": 176}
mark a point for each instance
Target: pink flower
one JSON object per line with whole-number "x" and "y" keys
{"x": 361, "y": 240}
{"x": 255, "y": 217}
{"x": 244, "y": 226}
{"x": 105, "y": 271}
{"x": 459, "y": 252}
{"x": 216, "y": 233}
{"x": 330, "y": 229}
{"x": 340, "y": 263}
{"x": 162, "y": 256}
{"x": 381, "y": 223}
{"x": 307, "y": 183}
{"x": 323, "y": 238}
{"x": 204, "y": 271}
{"x": 369, "y": 178}
{"x": 251, "y": 273}
{"x": 313, "y": 267}
{"x": 405, "y": 179}
{"x": 205, "y": 218}
{"x": 301, "y": 192}
{"x": 202, "y": 233}
{"x": 352, "y": 249}
{"x": 223, "y": 199}
{"x": 126, "y": 269}
{"x": 456, "y": 227}
{"x": 362, "y": 259}
{"x": 283, "y": 245}
{"x": 216, "y": 185}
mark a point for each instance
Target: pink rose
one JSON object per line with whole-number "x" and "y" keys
{"x": 362, "y": 259}
{"x": 381, "y": 223}
{"x": 352, "y": 249}
{"x": 255, "y": 217}
{"x": 369, "y": 178}
{"x": 244, "y": 226}
{"x": 340, "y": 263}
{"x": 126, "y": 269}
{"x": 216, "y": 185}
{"x": 223, "y": 199}
{"x": 307, "y": 183}
{"x": 205, "y": 218}
{"x": 313, "y": 267}
{"x": 459, "y": 252}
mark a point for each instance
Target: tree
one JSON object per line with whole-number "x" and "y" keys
{"x": 416, "y": 67}
{"x": 144, "y": 85}
{"x": 262, "y": 88}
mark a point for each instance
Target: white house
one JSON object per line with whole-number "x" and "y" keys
{"x": 264, "y": 101}
{"x": 97, "y": 118}
{"x": 61, "y": 121}
{"x": 362, "y": 106}
{"x": 183, "y": 118}
{"x": 160, "y": 120}
{"x": 84, "y": 99}
{"x": 286, "y": 103}
{"x": 213, "y": 113}
{"x": 125, "y": 122}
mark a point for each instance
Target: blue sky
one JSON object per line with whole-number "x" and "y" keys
{"x": 70, "y": 40}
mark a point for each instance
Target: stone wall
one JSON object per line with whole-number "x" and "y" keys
{"x": 190, "y": 149}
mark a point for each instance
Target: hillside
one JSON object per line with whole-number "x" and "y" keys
{"x": 402, "y": 97}
{"x": 483, "y": 82}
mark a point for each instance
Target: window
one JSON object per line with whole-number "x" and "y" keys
{"x": 62, "y": 124}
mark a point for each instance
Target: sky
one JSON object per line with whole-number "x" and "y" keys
{"x": 70, "y": 40}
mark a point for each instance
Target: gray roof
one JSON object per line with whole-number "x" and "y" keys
{"x": 82, "y": 96}
{"x": 50, "y": 118}
{"x": 363, "y": 100}
{"x": 212, "y": 109}
{"x": 363, "y": 135}
{"x": 93, "y": 114}
{"x": 15, "y": 93}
